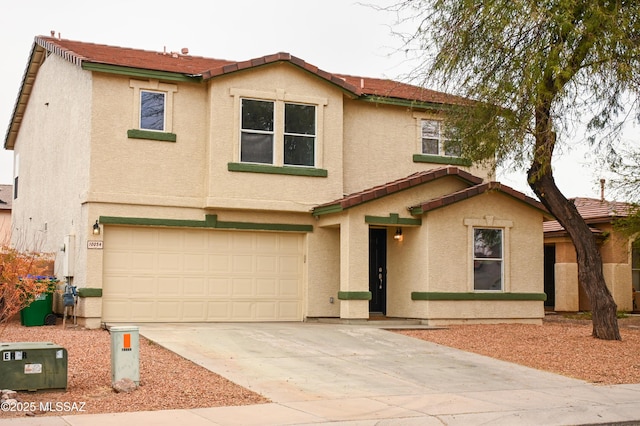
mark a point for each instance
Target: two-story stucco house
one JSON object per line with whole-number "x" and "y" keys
{"x": 180, "y": 188}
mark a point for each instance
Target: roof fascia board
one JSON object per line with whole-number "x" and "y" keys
{"x": 321, "y": 75}
{"x": 36, "y": 59}
{"x": 139, "y": 72}
{"x": 430, "y": 106}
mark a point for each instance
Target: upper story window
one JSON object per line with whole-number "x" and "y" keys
{"x": 262, "y": 137}
{"x": 152, "y": 110}
{"x": 299, "y": 134}
{"x": 256, "y": 140}
{"x": 488, "y": 259}
{"x": 433, "y": 140}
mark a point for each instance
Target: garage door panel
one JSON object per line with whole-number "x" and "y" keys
{"x": 169, "y": 287}
{"x": 194, "y": 311}
{"x": 170, "y": 262}
{"x": 141, "y": 261}
{"x": 289, "y": 289}
{"x": 266, "y": 264}
{"x": 219, "y": 263}
{"x": 164, "y": 274}
{"x": 267, "y": 288}
{"x": 196, "y": 263}
{"x": 220, "y": 287}
{"x": 242, "y": 263}
{"x": 143, "y": 310}
{"x": 195, "y": 286}
{"x": 289, "y": 311}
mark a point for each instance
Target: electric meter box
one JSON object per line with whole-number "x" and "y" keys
{"x": 33, "y": 366}
{"x": 125, "y": 353}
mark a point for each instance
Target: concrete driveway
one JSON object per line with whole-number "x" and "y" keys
{"x": 316, "y": 372}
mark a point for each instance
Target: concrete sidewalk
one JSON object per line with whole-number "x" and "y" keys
{"x": 363, "y": 375}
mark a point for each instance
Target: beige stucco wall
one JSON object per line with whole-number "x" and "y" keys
{"x": 5, "y": 227}
{"x": 280, "y": 83}
{"x": 140, "y": 171}
{"x": 444, "y": 261}
{"x": 380, "y": 141}
{"x": 567, "y": 297}
{"x": 53, "y": 153}
{"x": 436, "y": 256}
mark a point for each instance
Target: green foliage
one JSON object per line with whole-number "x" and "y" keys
{"x": 534, "y": 67}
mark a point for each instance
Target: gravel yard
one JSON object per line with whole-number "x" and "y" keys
{"x": 168, "y": 381}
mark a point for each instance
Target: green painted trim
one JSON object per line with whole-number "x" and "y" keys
{"x": 333, "y": 208}
{"x": 354, "y": 295}
{"x": 286, "y": 170}
{"x": 416, "y": 211}
{"x": 156, "y": 136}
{"x": 210, "y": 222}
{"x": 393, "y": 219}
{"x": 441, "y": 159}
{"x": 418, "y": 295}
{"x": 140, "y": 73}
{"x": 432, "y": 106}
{"x": 89, "y": 292}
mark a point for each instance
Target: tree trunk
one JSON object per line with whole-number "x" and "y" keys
{"x": 590, "y": 276}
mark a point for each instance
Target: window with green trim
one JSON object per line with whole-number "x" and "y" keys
{"x": 434, "y": 142}
{"x": 488, "y": 259}
{"x": 263, "y": 140}
{"x": 152, "y": 110}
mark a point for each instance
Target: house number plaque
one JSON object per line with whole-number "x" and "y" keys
{"x": 94, "y": 244}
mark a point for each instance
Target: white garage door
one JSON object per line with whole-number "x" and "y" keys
{"x": 178, "y": 275}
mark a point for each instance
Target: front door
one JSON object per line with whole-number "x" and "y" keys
{"x": 378, "y": 270}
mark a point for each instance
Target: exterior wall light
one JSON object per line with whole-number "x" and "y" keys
{"x": 398, "y": 236}
{"x": 96, "y": 228}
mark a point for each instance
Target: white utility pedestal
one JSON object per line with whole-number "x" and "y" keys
{"x": 125, "y": 353}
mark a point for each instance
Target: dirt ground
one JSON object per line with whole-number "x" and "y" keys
{"x": 562, "y": 345}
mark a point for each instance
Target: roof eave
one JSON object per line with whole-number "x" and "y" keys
{"x": 36, "y": 58}
{"x": 283, "y": 57}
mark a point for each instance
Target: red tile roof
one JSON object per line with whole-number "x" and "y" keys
{"x": 396, "y": 186}
{"x": 78, "y": 52}
{"x": 593, "y": 211}
{"x": 467, "y": 193}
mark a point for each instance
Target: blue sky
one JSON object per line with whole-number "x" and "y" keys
{"x": 335, "y": 35}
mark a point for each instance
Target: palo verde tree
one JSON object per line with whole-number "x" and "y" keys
{"x": 533, "y": 70}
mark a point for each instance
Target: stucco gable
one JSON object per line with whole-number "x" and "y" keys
{"x": 473, "y": 191}
{"x": 395, "y": 186}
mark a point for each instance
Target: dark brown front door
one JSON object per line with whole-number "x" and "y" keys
{"x": 378, "y": 270}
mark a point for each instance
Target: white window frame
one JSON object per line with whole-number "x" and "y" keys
{"x": 489, "y": 222}
{"x": 139, "y": 86}
{"x": 280, "y": 97}
{"x": 420, "y": 119}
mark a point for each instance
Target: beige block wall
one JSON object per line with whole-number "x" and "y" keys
{"x": 567, "y": 297}
{"x": 618, "y": 279}
{"x": 53, "y": 160}
{"x": 485, "y": 312}
{"x": 5, "y": 227}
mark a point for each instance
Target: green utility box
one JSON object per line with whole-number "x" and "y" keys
{"x": 39, "y": 312}
{"x": 32, "y": 366}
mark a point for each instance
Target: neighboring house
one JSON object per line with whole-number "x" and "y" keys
{"x": 620, "y": 260}
{"x": 264, "y": 190}
{"x": 5, "y": 214}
